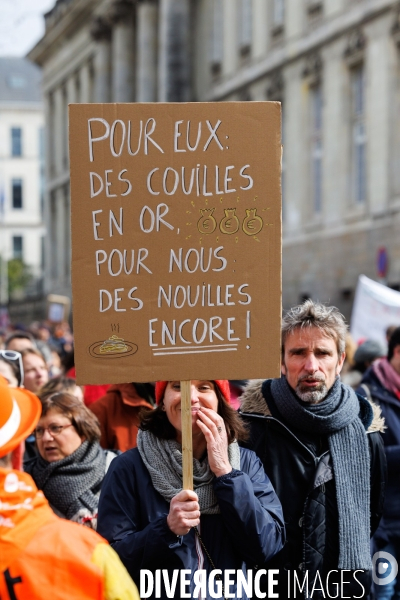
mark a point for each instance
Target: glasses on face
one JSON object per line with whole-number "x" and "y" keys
{"x": 13, "y": 355}
{"x": 54, "y": 430}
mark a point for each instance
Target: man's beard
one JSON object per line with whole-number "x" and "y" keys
{"x": 311, "y": 396}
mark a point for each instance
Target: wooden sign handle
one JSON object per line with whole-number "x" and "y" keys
{"x": 187, "y": 447}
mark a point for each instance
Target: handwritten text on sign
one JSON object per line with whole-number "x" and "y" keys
{"x": 176, "y": 240}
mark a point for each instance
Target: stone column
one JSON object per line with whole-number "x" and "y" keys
{"x": 101, "y": 33}
{"x": 51, "y": 242}
{"x": 146, "y": 64}
{"x": 85, "y": 79}
{"x": 67, "y": 234}
{"x": 59, "y": 250}
{"x": 123, "y": 51}
{"x": 49, "y": 108}
{"x": 174, "y": 51}
{"x": 57, "y": 131}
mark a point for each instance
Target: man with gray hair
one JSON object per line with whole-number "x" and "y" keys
{"x": 321, "y": 447}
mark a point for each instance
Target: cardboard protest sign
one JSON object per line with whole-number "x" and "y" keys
{"x": 176, "y": 241}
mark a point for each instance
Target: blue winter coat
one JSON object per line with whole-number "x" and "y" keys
{"x": 133, "y": 518}
{"x": 390, "y": 406}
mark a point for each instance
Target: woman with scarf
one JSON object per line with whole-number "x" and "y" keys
{"x": 70, "y": 465}
{"x": 232, "y": 520}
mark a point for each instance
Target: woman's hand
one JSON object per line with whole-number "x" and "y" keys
{"x": 184, "y": 512}
{"x": 214, "y": 430}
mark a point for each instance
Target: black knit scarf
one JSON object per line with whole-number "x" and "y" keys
{"x": 337, "y": 416}
{"x": 72, "y": 483}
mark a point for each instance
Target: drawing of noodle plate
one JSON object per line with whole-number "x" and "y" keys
{"x": 114, "y": 347}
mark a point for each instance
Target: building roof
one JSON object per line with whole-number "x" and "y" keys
{"x": 20, "y": 80}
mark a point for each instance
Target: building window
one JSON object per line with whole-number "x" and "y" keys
{"x": 17, "y": 200}
{"x": 316, "y": 146}
{"x": 278, "y": 14}
{"x": 16, "y": 141}
{"x": 245, "y": 26}
{"x": 16, "y": 81}
{"x": 18, "y": 247}
{"x": 359, "y": 138}
{"x": 217, "y": 37}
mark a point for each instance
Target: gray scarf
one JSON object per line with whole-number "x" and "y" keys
{"x": 72, "y": 483}
{"x": 163, "y": 460}
{"x": 337, "y": 417}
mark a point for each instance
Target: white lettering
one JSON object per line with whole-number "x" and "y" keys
{"x": 146, "y": 584}
{"x": 94, "y": 192}
{"x": 112, "y": 133}
{"x": 113, "y": 221}
{"x": 149, "y": 176}
{"x": 96, "y": 224}
{"x": 139, "y": 302}
{"x": 177, "y": 134}
{"x": 110, "y": 301}
{"x": 98, "y": 139}
{"x": 108, "y": 184}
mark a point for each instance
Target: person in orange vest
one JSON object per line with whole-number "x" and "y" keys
{"x": 41, "y": 554}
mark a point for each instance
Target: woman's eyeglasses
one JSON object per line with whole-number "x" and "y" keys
{"x": 54, "y": 430}
{"x": 13, "y": 355}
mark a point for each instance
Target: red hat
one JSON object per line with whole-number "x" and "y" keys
{"x": 20, "y": 411}
{"x": 223, "y": 385}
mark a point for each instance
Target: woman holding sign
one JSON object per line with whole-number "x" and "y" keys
{"x": 232, "y": 520}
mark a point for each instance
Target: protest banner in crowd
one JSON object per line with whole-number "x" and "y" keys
{"x": 375, "y": 308}
{"x": 176, "y": 241}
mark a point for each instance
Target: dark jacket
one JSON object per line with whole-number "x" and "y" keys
{"x": 390, "y": 407}
{"x": 133, "y": 518}
{"x": 300, "y": 469}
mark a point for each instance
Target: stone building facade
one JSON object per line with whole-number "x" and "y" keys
{"x": 22, "y": 183}
{"x": 334, "y": 65}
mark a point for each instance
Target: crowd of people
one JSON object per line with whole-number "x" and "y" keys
{"x": 300, "y": 474}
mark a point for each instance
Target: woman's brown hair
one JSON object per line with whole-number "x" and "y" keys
{"x": 157, "y": 421}
{"x": 84, "y": 421}
{"x": 58, "y": 384}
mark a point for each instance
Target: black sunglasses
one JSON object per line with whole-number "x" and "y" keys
{"x": 13, "y": 355}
